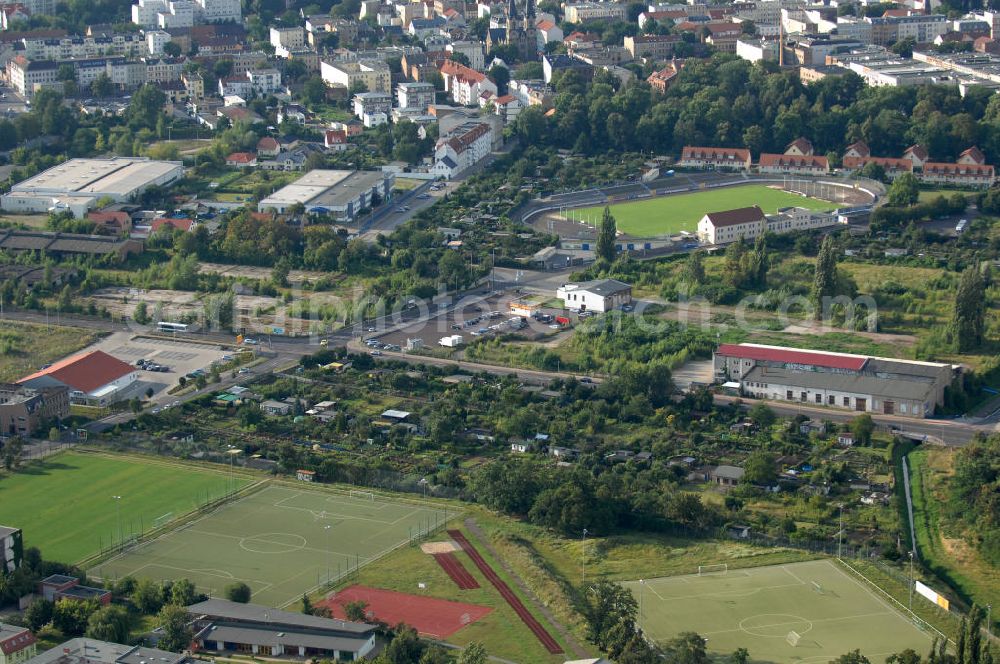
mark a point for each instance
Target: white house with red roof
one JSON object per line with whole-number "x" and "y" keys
{"x": 241, "y": 160}
{"x": 728, "y": 159}
{"x": 464, "y": 84}
{"x": 268, "y": 147}
{"x": 841, "y": 381}
{"x": 17, "y": 644}
{"x": 335, "y": 139}
{"x": 462, "y": 148}
{"x": 92, "y": 376}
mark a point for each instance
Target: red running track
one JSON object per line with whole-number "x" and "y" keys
{"x": 454, "y": 568}
{"x": 505, "y": 591}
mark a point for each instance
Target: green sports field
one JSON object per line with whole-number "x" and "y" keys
{"x": 282, "y": 541}
{"x": 758, "y": 608}
{"x": 668, "y": 215}
{"x": 65, "y": 507}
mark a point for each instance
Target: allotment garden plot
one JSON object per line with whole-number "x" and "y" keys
{"x": 803, "y": 612}
{"x": 281, "y": 541}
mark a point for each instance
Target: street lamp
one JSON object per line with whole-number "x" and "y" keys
{"x": 118, "y": 515}
{"x": 328, "y": 553}
{"x": 911, "y": 582}
{"x": 840, "y": 534}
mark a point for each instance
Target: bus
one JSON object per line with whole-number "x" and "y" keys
{"x": 171, "y": 327}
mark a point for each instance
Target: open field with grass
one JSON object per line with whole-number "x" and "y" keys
{"x": 949, "y": 555}
{"x": 26, "y": 347}
{"x": 37, "y": 221}
{"x": 828, "y": 609}
{"x": 281, "y": 541}
{"x": 667, "y": 215}
{"x": 65, "y": 507}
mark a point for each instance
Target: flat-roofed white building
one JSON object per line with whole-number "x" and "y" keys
{"x": 599, "y": 295}
{"x": 77, "y": 184}
{"x": 341, "y": 194}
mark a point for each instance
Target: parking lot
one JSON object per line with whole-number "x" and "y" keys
{"x": 488, "y": 318}
{"x": 177, "y": 356}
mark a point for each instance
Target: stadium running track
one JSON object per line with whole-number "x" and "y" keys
{"x": 454, "y": 568}
{"x": 550, "y": 643}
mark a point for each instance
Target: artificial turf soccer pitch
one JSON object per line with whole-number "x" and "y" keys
{"x": 668, "y": 215}
{"x": 757, "y": 608}
{"x": 64, "y": 504}
{"x": 282, "y": 541}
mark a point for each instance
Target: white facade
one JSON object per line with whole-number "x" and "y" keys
{"x": 145, "y": 12}
{"x": 373, "y": 74}
{"x": 600, "y": 296}
{"x": 372, "y": 103}
{"x": 288, "y": 38}
{"x": 156, "y": 40}
{"x": 264, "y": 81}
{"x": 463, "y": 148}
{"x": 219, "y": 11}
{"x": 178, "y": 14}
{"x": 415, "y": 95}
{"x": 473, "y": 50}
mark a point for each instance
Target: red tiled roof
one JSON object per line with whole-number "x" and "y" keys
{"x": 793, "y": 161}
{"x": 85, "y": 372}
{"x": 791, "y": 356}
{"x": 268, "y": 143}
{"x": 17, "y": 643}
{"x": 888, "y": 163}
{"x": 735, "y": 217}
{"x": 918, "y": 151}
{"x": 545, "y": 25}
{"x": 182, "y": 224}
{"x": 116, "y": 217}
{"x": 966, "y": 170}
{"x": 803, "y": 144}
{"x": 723, "y": 28}
{"x": 460, "y": 71}
{"x": 720, "y": 154}
{"x": 860, "y": 147}
{"x": 506, "y": 99}
{"x": 975, "y": 154}
{"x": 241, "y": 158}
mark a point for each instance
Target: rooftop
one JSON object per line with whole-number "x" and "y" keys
{"x": 602, "y": 287}
{"x": 85, "y": 371}
{"x": 118, "y": 175}
{"x": 742, "y": 215}
{"x": 254, "y": 613}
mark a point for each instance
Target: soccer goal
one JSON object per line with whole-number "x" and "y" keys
{"x": 363, "y": 495}
{"x": 705, "y": 570}
{"x": 793, "y": 638}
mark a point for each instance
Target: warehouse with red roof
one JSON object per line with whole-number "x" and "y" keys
{"x": 92, "y": 377}
{"x": 844, "y": 381}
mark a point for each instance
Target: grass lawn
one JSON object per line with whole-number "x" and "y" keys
{"x": 949, "y": 555}
{"x": 827, "y": 607}
{"x": 282, "y": 541}
{"x": 39, "y": 221}
{"x": 65, "y": 507}
{"x": 667, "y": 215}
{"x": 26, "y": 347}
{"x": 927, "y": 195}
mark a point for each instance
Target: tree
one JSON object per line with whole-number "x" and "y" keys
{"x": 607, "y": 236}
{"x": 141, "y": 314}
{"x": 500, "y": 76}
{"x": 969, "y": 318}
{"x": 825, "y": 277}
{"x": 38, "y": 614}
{"x": 314, "y": 90}
{"x": 238, "y": 592}
{"x": 12, "y": 450}
{"x": 762, "y": 415}
{"x": 608, "y": 604}
{"x": 356, "y": 611}
{"x": 174, "y": 50}
{"x": 148, "y": 596}
{"x": 174, "y": 622}
{"x": 54, "y": 435}
{"x": 474, "y": 653}
{"x": 102, "y": 86}
{"x": 853, "y": 657}
{"x": 904, "y": 190}
{"x": 694, "y": 268}
{"x": 183, "y": 593}
{"x": 760, "y": 469}
{"x": 862, "y": 428}
{"x": 146, "y": 106}
{"x": 686, "y": 648}
{"x": 109, "y": 623}
{"x": 71, "y": 616}
{"x": 405, "y": 647}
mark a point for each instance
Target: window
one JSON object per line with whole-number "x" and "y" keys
{"x": 803, "y": 396}
{"x": 819, "y": 398}
{"x": 847, "y": 401}
{"x": 831, "y": 400}
{"x": 788, "y": 395}
{"x": 904, "y": 408}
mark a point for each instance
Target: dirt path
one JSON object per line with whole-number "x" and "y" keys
{"x": 568, "y": 639}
